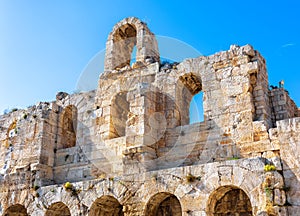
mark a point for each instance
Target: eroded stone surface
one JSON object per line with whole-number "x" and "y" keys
{"x": 127, "y": 148}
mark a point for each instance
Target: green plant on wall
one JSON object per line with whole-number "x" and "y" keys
{"x": 269, "y": 167}
{"x": 234, "y": 158}
{"x": 269, "y": 192}
{"x": 68, "y": 186}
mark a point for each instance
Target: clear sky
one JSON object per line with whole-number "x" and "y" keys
{"x": 45, "y": 45}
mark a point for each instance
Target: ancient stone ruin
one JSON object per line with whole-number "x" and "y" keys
{"x": 128, "y": 147}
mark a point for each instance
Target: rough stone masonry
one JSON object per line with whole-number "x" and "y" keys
{"x": 128, "y": 148}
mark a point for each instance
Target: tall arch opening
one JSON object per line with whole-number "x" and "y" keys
{"x": 106, "y": 206}
{"x": 124, "y": 41}
{"x": 189, "y": 98}
{"x": 69, "y": 126}
{"x": 16, "y": 210}
{"x": 163, "y": 204}
{"x": 196, "y": 108}
{"x": 229, "y": 200}
{"x": 133, "y": 56}
{"x": 119, "y": 115}
{"x": 58, "y": 209}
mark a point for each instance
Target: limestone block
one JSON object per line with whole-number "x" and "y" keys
{"x": 293, "y": 210}
{"x": 291, "y": 178}
{"x": 248, "y": 50}
{"x": 183, "y": 190}
{"x": 279, "y": 197}
{"x": 282, "y": 211}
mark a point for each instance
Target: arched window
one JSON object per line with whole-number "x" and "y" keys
{"x": 119, "y": 115}
{"x": 126, "y": 34}
{"x": 229, "y": 200}
{"x": 69, "y": 126}
{"x": 58, "y": 209}
{"x": 189, "y": 98}
{"x": 124, "y": 40}
{"x": 106, "y": 206}
{"x": 14, "y": 210}
{"x": 163, "y": 204}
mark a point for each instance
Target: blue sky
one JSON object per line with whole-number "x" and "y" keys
{"x": 45, "y": 45}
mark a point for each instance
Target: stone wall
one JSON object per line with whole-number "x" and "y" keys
{"x": 289, "y": 138}
{"x": 128, "y": 148}
{"x": 283, "y": 106}
{"x": 193, "y": 186}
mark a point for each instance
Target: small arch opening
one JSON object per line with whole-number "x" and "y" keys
{"x": 69, "y": 127}
{"x": 11, "y": 135}
{"x": 58, "y": 209}
{"x": 16, "y": 210}
{"x": 106, "y": 206}
{"x": 12, "y": 130}
{"x": 119, "y": 115}
{"x": 163, "y": 204}
{"x": 229, "y": 200}
{"x": 124, "y": 42}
